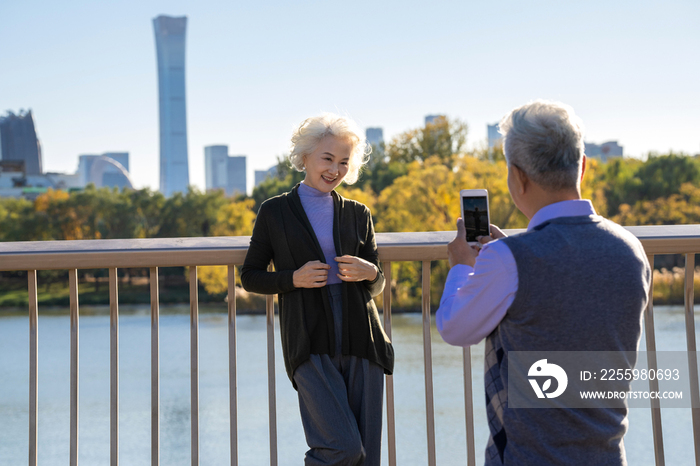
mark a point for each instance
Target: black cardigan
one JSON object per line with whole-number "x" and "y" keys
{"x": 284, "y": 235}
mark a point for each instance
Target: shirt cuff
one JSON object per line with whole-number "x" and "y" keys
{"x": 376, "y": 278}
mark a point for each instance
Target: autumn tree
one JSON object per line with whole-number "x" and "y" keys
{"x": 233, "y": 219}
{"x": 17, "y": 220}
{"x": 427, "y": 199}
{"x": 443, "y": 138}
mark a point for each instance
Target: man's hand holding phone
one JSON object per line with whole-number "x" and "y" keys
{"x": 496, "y": 233}
{"x": 460, "y": 252}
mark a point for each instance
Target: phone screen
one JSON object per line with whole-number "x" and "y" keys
{"x": 476, "y": 217}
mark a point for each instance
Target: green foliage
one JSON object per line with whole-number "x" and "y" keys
{"x": 110, "y": 214}
{"x": 443, "y": 138}
{"x": 676, "y": 209}
{"x": 15, "y": 215}
{"x": 191, "y": 214}
{"x": 382, "y": 174}
{"x": 628, "y": 181}
{"x": 663, "y": 175}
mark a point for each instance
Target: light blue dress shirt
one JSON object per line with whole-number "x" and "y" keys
{"x": 475, "y": 300}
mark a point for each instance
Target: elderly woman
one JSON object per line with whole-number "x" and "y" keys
{"x": 326, "y": 272}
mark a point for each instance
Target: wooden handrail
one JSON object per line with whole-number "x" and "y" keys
{"x": 228, "y": 250}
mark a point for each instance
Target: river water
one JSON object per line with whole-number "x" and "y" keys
{"x": 134, "y": 421}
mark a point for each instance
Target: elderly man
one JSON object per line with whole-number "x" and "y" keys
{"x": 573, "y": 282}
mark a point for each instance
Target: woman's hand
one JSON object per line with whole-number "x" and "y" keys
{"x": 354, "y": 269}
{"x": 313, "y": 274}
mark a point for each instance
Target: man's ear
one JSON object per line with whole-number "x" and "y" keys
{"x": 583, "y": 167}
{"x": 521, "y": 179}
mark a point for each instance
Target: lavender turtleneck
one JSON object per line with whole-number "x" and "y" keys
{"x": 319, "y": 209}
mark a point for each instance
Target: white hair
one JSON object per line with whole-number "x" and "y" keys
{"x": 313, "y": 130}
{"x": 545, "y": 140}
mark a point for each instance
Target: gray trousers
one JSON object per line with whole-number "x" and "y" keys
{"x": 340, "y": 400}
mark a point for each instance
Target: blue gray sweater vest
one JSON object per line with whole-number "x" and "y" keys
{"x": 582, "y": 286}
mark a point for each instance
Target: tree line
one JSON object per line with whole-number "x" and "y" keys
{"x": 412, "y": 183}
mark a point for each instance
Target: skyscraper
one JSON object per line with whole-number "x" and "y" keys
{"x": 170, "y": 48}
{"x": 431, "y": 118}
{"x": 603, "y": 152}
{"x": 494, "y": 137}
{"x": 262, "y": 175}
{"x": 236, "y": 176}
{"x": 222, "y": 171}
{"x": 374, "y": 136}
{"x": 215, "y": 167}
{"x": 18, "y": 141}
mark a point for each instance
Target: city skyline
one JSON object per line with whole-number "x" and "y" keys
{"x": 249, "y": 82}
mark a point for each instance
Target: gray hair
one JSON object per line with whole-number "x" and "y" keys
{"x": 545, "y": 140}
{"x": 312, "y": 131}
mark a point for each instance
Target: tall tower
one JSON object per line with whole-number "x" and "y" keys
{"x": 170, "y": 48}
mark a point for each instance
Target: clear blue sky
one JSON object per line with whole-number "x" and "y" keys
{"x": 256, "y": 69}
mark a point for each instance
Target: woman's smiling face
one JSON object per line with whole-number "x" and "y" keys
{"x": 327, "y": 165}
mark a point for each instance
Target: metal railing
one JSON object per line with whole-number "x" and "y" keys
{"x": 153, "y": 253}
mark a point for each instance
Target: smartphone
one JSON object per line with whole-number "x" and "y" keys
{"x": 475, "y": 212}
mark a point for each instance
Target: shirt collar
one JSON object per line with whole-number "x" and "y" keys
{"x": 573, "y": 208}
{"x": 309, "y": 191}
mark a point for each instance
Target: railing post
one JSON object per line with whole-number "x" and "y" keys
{"x": 271, "y": 393}
{"x": 33, "y": 368}
{"x": 194, "y": 365}
{"x": 428, "y": 363}
{"x": 469, "y": 405}
{"x": 232, "y": 359}
{"x": 651, "y": 360}
{"x": 114, "y": 367}
{"x": 155, "y": 370}
{"x": 390, "y": 411}
{"x": 74, "y": 327}
{"x": 689, "y": 296}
